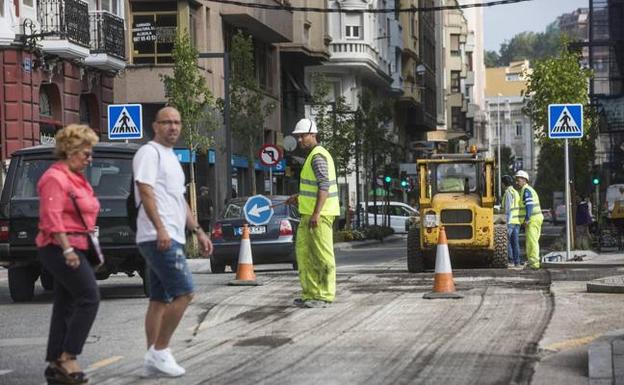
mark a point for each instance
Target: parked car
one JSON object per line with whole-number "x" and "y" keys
{"x": 110, "y": 174}
{"x": 399, "y": 214}
{"x": 560, "y": 215}
{"x": 548, "y": 216}
{"x": 270, "y": 243}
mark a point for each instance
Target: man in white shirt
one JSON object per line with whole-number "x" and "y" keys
{"x": 163, "y": 217}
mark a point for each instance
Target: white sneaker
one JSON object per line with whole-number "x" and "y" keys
{"x": 161, "y": 362}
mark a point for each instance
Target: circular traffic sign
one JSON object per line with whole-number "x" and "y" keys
{"x": 290, "y": 143}
{"x": 270, "y": 155}
{"x": 258, "y": 210}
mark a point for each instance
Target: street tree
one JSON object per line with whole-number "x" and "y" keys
{"x": 560, "y": 80}
{"x": 335, "y": 123}
{"x": 249, "y": 108}
{"x": 188, "y": 92}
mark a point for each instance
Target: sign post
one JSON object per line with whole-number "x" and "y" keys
{"x": 269, "y": 156}
{"x": 565, "y": 121}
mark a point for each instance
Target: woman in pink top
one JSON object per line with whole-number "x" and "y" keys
{"x": 62, "y": 244}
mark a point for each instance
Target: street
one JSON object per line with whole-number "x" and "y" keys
{"x": 512, "y": 327}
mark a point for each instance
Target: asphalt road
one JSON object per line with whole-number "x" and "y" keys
{"x": 511, "y": 327}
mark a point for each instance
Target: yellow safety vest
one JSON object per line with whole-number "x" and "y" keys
{"x": 515, "y": 206}
{"x": 536, "y": 211}
{"x": 308, "y": 186}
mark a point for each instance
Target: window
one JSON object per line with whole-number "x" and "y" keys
{"x": 518, "y": 125}
{"x": 513, "y": 77}
{"x": 153, "y": 32}
{"x": 455, "y": 83}
{"x": 111, "y": 6}
{"x": 353, "y": 26}
{"x": 28, "y": 3}
{"x": 457, "y": 118}
{"x": 454, "y": 45}
{"x": 453, "y": 177}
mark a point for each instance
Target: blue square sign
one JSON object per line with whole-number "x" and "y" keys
{"x": 565, "y": 121}
{"x": 125, "y": 121}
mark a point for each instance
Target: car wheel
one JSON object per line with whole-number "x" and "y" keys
{"x": 22, "y": 283}
{"x": 47, "y": 280}
{"x": 217, "y": 266}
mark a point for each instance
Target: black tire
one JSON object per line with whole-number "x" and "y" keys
{"x": 415, "y": 257}
{"x": 47, "y": 280}
{"x": 22, "y": 283}
{"x": 499, "y": 257}
{"x": 217, "y": 266}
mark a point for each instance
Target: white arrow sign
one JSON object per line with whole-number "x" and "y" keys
{"x": 257, "y": 211}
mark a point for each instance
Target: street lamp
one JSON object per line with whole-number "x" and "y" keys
{"x": 498, "y": 135}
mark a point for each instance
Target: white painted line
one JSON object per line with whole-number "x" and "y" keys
{"x": 6, "y": 371}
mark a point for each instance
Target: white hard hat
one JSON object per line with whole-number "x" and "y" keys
{"x": 305, "y": 126}
{"x": 522, "y": 174}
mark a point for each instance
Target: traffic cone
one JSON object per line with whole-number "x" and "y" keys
{"x": 443, "y": 285}
{"x": 245, "y": 275}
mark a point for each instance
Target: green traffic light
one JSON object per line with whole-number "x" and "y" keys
{"x": 596, "y": 181}
{"x": 403, "y": 183}
{"x": 388, "y": 179}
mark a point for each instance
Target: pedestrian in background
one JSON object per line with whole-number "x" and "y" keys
{"x": 204, "y": 208}
{"x": 163, "y": 217}
{"x": 511, "y": 207}
{"x": 61, "y": 248}
{"x": 583, "y": 221}
{"x": 532, "y": 217}
{"x": 319, "y": 206}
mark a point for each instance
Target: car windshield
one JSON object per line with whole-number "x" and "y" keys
{"x": 234, "y": 209}
{"x": 109, "y": 177}
{"x": 452, "y": 177}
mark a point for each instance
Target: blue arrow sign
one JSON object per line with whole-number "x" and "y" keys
{"x": 565, "y": 121}
{"x": 258, "y": 210}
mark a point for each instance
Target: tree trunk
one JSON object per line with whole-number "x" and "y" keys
{"x": 192, "y": 195}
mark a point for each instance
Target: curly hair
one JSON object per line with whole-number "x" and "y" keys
{"x": 71, "y": 138}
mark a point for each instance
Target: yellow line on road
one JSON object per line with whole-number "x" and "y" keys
{"x": 103, "y": 363}
{"x": 570, "y": 344}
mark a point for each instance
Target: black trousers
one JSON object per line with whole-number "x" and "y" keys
{"x": 76, "y": 301}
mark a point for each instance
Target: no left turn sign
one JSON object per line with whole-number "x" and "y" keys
{"x": 270, "y": 155}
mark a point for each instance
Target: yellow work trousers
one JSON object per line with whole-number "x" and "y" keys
{"x": 315, "y": 257}
{"x": 533, "y": 230}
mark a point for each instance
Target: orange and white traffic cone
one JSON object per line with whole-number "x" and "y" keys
{"x": 443, "y": 285}
{"x": 245, "y": 275}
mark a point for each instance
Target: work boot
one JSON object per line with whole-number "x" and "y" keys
{"x": 313, "y": 303}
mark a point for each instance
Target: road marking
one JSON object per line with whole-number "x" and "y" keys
{"x": 3, "y": 372}
{"x": 105, "y": 362}
{"x": 569, "y": 344}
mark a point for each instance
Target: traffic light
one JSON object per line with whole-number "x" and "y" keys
{"x": 387, "y": 179}
{"x": 404, "y": 183}
{"x": 595, "y": 181}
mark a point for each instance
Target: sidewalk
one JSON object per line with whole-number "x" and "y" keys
{"x": 605, "y": 355}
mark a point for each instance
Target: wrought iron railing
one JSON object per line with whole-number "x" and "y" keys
{"x": 107, "y": 34}
{"x": 68, "y": 19}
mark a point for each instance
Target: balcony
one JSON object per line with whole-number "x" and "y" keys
{"x": 108, "y": 50}
{"x": 361, "y": 54}
{"x": 66, "y": 26}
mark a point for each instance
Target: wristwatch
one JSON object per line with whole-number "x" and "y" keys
{"x": 196, "y": 229}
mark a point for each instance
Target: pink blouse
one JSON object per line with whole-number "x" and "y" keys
{"x": 57, "y": 213}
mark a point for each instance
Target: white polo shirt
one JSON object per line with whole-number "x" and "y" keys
{"x": 164, "y": 173}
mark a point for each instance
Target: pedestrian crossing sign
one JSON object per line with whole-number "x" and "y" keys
{"x": 125, "y": 121}
{"x": 565, "y": 121}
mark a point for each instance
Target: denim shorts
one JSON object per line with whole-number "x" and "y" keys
{"x": 169, "y": 274}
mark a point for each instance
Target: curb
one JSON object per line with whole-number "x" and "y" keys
{"x": 368, "y": 242}
{"x": 613, "y": 284}
{"x": 199, "y": 265}
{"x": 605, "y": 358}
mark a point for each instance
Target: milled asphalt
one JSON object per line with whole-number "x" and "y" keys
{"x": 605, "y": 354}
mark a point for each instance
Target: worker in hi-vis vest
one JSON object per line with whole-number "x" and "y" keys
{"x": 531, "y": 215}
{"x": 511, "y": 208}
{"x": 318, "y": 206}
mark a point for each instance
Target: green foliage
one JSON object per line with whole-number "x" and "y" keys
{"x": 554, "y": 81}
{"x": 335, "y": 122}
{"x": 526, "y": 45}
{"x": 491, "y": 59}
{"x": 248, "y": 107}
{"x": 368, "y": 232}
{"x": 187, "y": 91}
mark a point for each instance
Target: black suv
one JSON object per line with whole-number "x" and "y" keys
{"x": 110, "y": 174}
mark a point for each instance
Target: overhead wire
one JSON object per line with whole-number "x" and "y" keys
{"x": 284, "y": 7}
